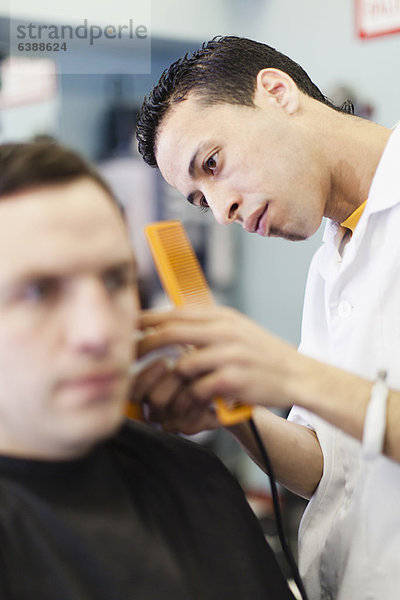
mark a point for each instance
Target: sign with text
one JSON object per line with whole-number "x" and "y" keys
{"x": 377, "y": 17}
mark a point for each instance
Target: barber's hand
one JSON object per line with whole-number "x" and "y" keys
{"x": 161, "y": 391}
{"x": 231, "y": 356}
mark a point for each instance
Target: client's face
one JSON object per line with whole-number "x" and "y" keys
{"x": 68, "y": 308}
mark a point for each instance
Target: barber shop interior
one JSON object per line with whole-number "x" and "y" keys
{"x": 94, "y": 77}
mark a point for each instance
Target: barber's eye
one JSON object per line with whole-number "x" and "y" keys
{"x": 203, "y": 204}
{"x": 212, "y": 163}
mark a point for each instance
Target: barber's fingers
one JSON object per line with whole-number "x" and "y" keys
{"x": 156, "y": 382}
{"x": 193, "y": 419}
{"x": 159, "y": 387}
{"x": 223, "y": 316}
{"x": 162, "y": 390}
{"x": 145, "y": 378}
{"x": 200, "y": 361}
{"x": 232, "y": 372}
{"x": 174, "y": 333}
{"x": 188, "y": 332}
{"x": 227, "y": 381}
{"x": 167, "y": 404}
{"x": 154, "y": 318}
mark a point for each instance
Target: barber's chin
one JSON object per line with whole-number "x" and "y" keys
{"x": 287, "y": 235}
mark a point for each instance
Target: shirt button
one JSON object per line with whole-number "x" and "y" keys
{"x": 344, "y": 309}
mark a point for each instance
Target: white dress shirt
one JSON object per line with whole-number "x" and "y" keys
{"x": 350, "y": 533}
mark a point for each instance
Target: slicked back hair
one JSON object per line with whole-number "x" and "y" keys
{"x": 223, "y": 70}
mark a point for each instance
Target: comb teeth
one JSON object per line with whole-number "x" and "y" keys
{"x": 185, "y": 284}
{"x": 177, "y": 264}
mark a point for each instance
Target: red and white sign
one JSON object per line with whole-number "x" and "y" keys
{"x": 377, "y": 17}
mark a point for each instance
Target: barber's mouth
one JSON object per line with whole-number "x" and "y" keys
{"x": 261, "y": 226}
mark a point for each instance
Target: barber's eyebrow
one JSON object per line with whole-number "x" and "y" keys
{"x": 192, "y": 163}
{"x": 191, "y": 169}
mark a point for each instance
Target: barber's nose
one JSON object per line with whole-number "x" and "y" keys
{"x": 229, "y": 213}
{"x": 225, "y": 209}
{"x": 233, "y": 212}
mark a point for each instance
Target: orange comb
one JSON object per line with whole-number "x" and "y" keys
{"x": 183, "y": 280}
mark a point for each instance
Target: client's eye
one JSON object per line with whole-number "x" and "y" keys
{"x": 41, "y": 290}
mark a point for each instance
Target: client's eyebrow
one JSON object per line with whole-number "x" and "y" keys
{"x": 58, "y": 272}
{"x": 127, "y": 267}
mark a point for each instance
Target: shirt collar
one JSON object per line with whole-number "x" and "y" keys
{"x": 385, "y": 189}
{"x": 352, "y": 220}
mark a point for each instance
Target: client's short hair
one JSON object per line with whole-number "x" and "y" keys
{"x": 43, "y": 162}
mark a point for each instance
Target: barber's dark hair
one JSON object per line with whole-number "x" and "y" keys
{"x": 43, "y": 162}
{"x": 223, "y": 70}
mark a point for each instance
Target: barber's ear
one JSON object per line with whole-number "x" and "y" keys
{"x": 277, "y": 87}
